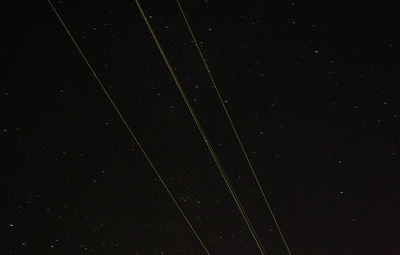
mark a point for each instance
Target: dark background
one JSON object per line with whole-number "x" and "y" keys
{"x": 312, "y": 87}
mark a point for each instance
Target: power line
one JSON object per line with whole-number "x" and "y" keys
{"x": 129, "y": 128}
{"x": 203, "y": 134}
{"x": 233, "y": 127}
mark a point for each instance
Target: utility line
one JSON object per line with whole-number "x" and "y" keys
{"x": 129, "y": 129}
{"x": 203, "y": 134}
{"x": 233, "y": 127}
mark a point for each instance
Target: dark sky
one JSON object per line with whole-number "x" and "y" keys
{"x": 312, "y": 87}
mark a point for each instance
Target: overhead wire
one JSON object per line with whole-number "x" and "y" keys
{"x": 233, "y": 127}
{"x": 129, "y": 129}
{"x": 203, "y": 134}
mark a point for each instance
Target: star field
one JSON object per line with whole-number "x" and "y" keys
{"x": 312, "y": 88}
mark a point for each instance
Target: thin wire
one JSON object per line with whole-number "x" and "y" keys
{"x": 129, "y": 128}
{"x": 233, "y": 126}
{"x": 210, "y": 148}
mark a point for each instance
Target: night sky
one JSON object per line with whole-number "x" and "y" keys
{"x": 311, "y": 86}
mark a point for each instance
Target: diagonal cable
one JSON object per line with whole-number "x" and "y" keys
{"x": 129, "y": 128}
{"x": 203, "y": 134}
{"x": 233, "y": 127}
